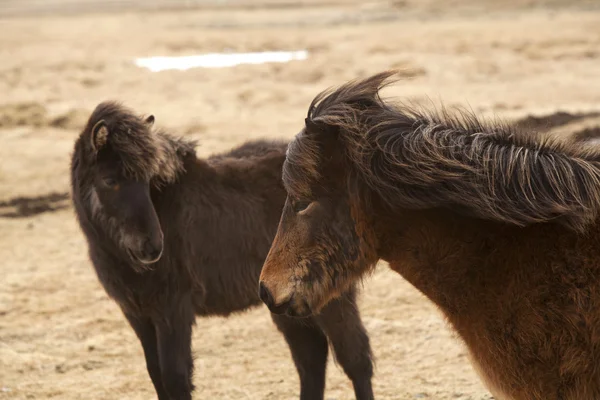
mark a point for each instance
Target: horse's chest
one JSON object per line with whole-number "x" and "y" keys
{"x": 132, "y": 293}
{"x": 490, "y": 380}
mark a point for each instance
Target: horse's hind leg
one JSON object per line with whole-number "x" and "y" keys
{"x": 144, "y": 329}
{"x": 309, "y": 349}
{"x": 340, "y": 320}
{"x": 174, "y": 334}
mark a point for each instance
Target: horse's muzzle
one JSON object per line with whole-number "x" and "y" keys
{"x": 287, "y": 307}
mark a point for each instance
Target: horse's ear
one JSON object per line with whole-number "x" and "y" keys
{"x": 99, "y": 135}
{"x": 311, "y": 126}
{"x": 149, "y": 120}
{"x": 325, "y": 135}
{"x": 317, "y": 128}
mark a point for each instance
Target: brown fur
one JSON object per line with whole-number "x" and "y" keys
{"x": 206, "y": 227}
{"x": 421, "y": 159}
{"x": 497, "y": 227}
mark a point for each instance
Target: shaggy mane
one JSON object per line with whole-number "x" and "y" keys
{"x": 416, "y": 158}
{"x": 145, "y": 153}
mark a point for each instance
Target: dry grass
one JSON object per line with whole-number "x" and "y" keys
{"x": 61, "y": 337}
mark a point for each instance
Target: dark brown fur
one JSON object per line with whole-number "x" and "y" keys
{"x": 497, "y": 227}
{"x": 218, "y": 218}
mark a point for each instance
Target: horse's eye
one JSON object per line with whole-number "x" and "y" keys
{"x": 110, "y": 182}
{"x": 300, "y": 206}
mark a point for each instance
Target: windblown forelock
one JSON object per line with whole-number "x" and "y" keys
{"x": 300, "y": 169}
{"x": 341, "y": 108}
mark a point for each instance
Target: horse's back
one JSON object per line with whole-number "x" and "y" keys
{"x": 253, "y": 148}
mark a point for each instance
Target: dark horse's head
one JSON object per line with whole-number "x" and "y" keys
{"x": 118, "y": 160}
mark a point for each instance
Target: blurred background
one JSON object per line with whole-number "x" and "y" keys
{"x": 535, "y": 62}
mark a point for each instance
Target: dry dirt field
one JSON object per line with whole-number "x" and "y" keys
{"x": 62, "y": 337}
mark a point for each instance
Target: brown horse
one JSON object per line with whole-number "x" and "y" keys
{"x": 172, "y": 236}
{"x": 497, "y": 227}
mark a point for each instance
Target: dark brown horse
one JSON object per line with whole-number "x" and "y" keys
{"x": 498, "y": 228}
{"x": 172, "y": 236}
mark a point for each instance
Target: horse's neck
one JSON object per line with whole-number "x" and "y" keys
{"x": 194, "y": 173}
{"x": 434, "y": 251}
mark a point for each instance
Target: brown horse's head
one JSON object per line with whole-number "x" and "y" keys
{"x": 121, "y": 159}
{"x": 324, "y": 242}
{"x": 359, "y": 158}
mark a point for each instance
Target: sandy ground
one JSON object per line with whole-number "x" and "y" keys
{"x": 62, "y": 337}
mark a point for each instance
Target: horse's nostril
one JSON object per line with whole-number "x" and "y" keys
{"x": 265, "y": 295}
{"x": 150, "y": 250}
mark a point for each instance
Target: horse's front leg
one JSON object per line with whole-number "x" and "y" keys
{"x": 144, "y": 329}
{"x": 308, "y": 345}
{"x": 174, "y": 336}
{"x": 341, "y": 322}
